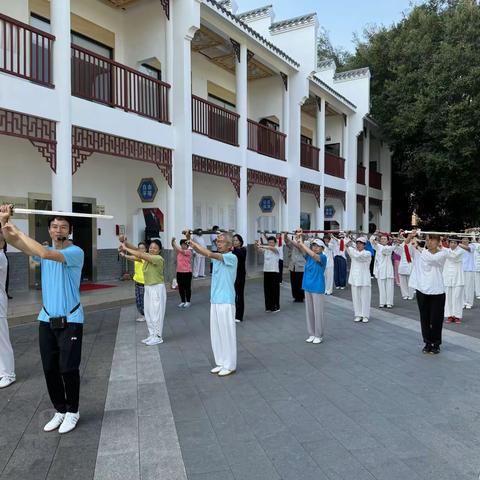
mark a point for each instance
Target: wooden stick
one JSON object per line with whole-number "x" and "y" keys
{"x": 51, "y": 213}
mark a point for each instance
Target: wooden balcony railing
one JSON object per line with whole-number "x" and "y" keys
{"x": 309, "y": 156}
{"x": 25, "y": 51}
{"x": 361, "y": 174}
{"x": 334, "y": 165}
{"x": 266, "y": 140}
{"x": 214, "y": 121}
{"x": 375, "y": 180}
{"x": 102, "y": 80}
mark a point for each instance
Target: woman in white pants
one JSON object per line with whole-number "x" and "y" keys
{"x": 383, "y": 270}
{"x": 469, "y": 272}
{"x": 454, "y": 281}
{"x": 359, "y": 279}
{"x": 7, "y": 362}
{"x": 198, "y": 269}
{"x": 155, "y": 293}
{"x": 329, "y": 253}
{"x": 405, "y": 250}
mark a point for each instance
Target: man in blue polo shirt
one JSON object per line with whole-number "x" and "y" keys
{"x": 61, "y": 317}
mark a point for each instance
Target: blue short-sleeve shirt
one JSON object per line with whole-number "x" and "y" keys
{"x": 61, "y": 285}
{"x": 314, "y": 274}
{"x": 223, "y": 279}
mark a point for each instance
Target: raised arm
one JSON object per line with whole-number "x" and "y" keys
{"x": 175, "y": 246}
{"x": 205, "y": 251}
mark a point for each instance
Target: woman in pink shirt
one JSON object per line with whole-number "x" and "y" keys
{"x": 184, "y": 272}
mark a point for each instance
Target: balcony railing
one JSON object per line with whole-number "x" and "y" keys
{"x": 266, "y": 140}
{"x": 361, "y": 174}
{"x": 214, "y": 121}
{"x": 102, "y": 80}
{"x": 309, "y": 156}
{"x": 334, "y": 165}
{"x": 375, "y": 179}
{"x": 25, "y": 51}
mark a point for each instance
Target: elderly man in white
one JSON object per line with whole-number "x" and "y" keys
{"x": 359, "y": 279}
{"x": 383, "y": 270}
{"x": 405, "y": 250}
{"x": 454, "y": 282}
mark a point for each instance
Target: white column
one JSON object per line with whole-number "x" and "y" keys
{"x": 350, "y": 156}
{"x": 241, "y": 80}
{"x": 386, "y": 170}
{"x": 169, "y": 61}
{"x": 62, "y": 179}
{"x": 366, "y": 164}
{"x": 320, "y": 213}
{"x": 285, "y": 123}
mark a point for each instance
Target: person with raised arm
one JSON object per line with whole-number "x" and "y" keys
{"x": 296, "y": 266}
{"x": 383, "y": 270}
{"x": 184, "y": 271}
{"x": 271, "y": 278}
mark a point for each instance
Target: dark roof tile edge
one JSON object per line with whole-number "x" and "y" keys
{"x": 292, "y": 21}
{"x": 350, "y": 74}
{"x": 254, "y": 12}
{"x": 322, "y": 84}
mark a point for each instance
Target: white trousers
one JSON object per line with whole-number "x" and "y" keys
{"x": 315, "y": 308}
{"x": 361, "y": 300}
{"x": 469, "y": 291}
{"x": 404, "y": 288}
{"x": 385, "y": 290}
{"x": 454, "y": 301}
{"x": 477, "y": 284}
{"x": 223, "y": 335}
{"x": 7, "y": 362}
{"x": 329, "y": 280}
{"x": 198, "y": 269}
{"x": 155, "y": 300}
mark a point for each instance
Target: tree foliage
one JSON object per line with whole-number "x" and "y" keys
{"x": 425, "y": 91}
{"x": 326, "y": 51}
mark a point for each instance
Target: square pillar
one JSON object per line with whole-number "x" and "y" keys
{"x": 320, "y": 213}
{"x": 366, "y": 164}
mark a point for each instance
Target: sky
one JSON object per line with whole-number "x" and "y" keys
{"x": 341, "y": 18}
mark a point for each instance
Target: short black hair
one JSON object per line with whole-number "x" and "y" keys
{"x": 183, "y": 240}
{"x": 272, "y": 238}
{"x": 65, "y": 219}
{"x": 239, "y": 238}
{"x": 142, "y": 243}
{"x": 157, "y": 242}
{"x": 215, "y": 227}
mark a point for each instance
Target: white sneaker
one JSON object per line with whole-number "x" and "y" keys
{"x": 468, "y": 307}
{"x": 357, "y": 319}
{"x": 54, "y": 423}
{"x": 365, "y": 320}
{"x": 69, "y": 423}
{"x": 310, "y": 339}
{"x": 181, "y": 305}
{"x": 187, "y": 304}
{"x": 141, "y": 318}
{"x": 478, "y": 298}
{"x": 317, "y": 340}
{"x": 342, "y": 288}
{"x": 216, "y": 370}
{"x": 154, "y": 341}
{"x": 410, "y": 298}
{"x": 405, "y": 298}
{"x": 224, "y": 372}
{"x": 389, "y": 306}
{"x": 145, "y": 340}
{"x": 237, "y": 320}
{"x": 6, "y": 381}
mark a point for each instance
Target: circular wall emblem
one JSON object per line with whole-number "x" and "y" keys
{"x": 147, "y": 190}
{"x": 267, "y": 204}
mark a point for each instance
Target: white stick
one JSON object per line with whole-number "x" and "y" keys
{"x": 30, "y": 211}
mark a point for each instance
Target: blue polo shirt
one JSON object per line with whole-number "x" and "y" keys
{"x": 314, "y": 274}
{"x": 61, "y": 285}
{"x": 223, "y": 279}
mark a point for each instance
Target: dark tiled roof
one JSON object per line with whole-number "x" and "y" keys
{"x": 324, "y": 64}
{"x": 350, "y": 74}
{"x": 322, "y": 84}
{"x": 255, "y": 12}
{"x": 254, "y": 33}
{"x": 290, "y": 22}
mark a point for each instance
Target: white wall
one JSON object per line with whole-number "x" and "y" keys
{"x": 309, "y": 205}
{"x": 334, "y": 128}
{"x": 339, "y": 211}
{"x": 17, "y": 9}
{"x": 257, "y": 220}
{"x": 265, "y": 98}
{"x": 311, "y": 123}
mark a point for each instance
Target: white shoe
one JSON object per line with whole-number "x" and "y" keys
{"x": 478, "y": 298}
{"x": 224, "y": 372}
{"x": 181, "y": 305}
{"x": 145, "y": 340}
{"x": 216, "y": 370}
{"x": 389, "y": 306}
{"x": 365, "y": 320}
{"x": 381, "y": 306}
{"x": 69, "y": 423}
{"x": 357, "y": 319}
{"x": 310, "y": 339}
{"x": 187, "y": 304}
{"x": 141, "y": 318}
{"x": 468, "y": 307}
{"x": 317, "y": 340}
{"x": 405, "y": 298}
{"x": 337, "y": 288}
{"x": 342, "y": 288}
{"x": 154, "y": 341}
{"x": 410, "y": 298}
{"x": 237, "y": 320}
{"x": 6, "y": 381}
{"x": 55, "y": 422}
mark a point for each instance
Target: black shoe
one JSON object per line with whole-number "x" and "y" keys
{"x": 427, "y": 348}
{"x": 435, "y": 349}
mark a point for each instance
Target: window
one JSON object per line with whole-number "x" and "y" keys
{"x": 39, "y": 50}
{"x": 306, "y": 140}
{"x": 150, "y": 71}
{"x": 221, "y": 102}
{"x": 333, "y": 148}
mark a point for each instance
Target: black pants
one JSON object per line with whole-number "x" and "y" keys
{"x": 239, "y": 298}
{"x": 340, "y": 271}
{"x": 271, "y": 289}
{"x": 184, "y": 280}
{"x": 61, "y": 352}
{"x": 431, "y": 309}
{"x": 296, "y": 279}
{"x": 280, "y": 271}
{"x": 372, "y": 263}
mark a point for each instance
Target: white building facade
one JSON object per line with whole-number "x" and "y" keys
{"x": 206, "y": 115}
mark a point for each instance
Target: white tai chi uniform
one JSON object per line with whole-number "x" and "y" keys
{"x": 155, "y": 300}
{"x": 7, "y": 363}
{"x": 360, "y": 281}
{"x": 198, "y": 269}
{"x": 476, "y": 261}
{"x": 222, "y": 312}
{"x": 405, "y": 269}
{"x": 329, "y": 253}
{"x": 469, "y": 270}
{"x": 383, "y": 272}
{"x": 454, "y": 281}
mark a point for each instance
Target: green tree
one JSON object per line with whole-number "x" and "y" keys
{"x": 426, "y": 96}
{"x": 326, "y": 50}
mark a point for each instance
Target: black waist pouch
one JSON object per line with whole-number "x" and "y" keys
{"x": 59, "y": 323}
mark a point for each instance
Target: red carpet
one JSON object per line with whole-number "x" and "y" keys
{"x": 85, "y": 287}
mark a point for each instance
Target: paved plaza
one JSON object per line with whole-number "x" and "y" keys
{"x": 363, "y": 405}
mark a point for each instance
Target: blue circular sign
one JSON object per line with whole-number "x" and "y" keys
{"x": 147, "y": 190}
{"x": 267, "y": 204}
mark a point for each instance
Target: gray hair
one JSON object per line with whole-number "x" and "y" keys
{"x": 228, "y": 236}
